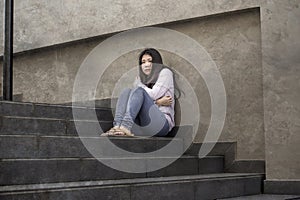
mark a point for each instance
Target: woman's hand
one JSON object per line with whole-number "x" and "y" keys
{"x": 164, "y": 101}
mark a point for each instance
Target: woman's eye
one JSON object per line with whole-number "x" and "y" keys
{"x": 144, "y": 61}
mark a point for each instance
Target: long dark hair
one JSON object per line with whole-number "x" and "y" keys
{"x": 157, "y": 66}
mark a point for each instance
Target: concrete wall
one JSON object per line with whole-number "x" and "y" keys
{"x": 281, "y": 69}
{"x": 43, "y": 23}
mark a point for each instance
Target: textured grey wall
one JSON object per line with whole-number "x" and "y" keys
{"x": 43, "y": 23}
{"x": 40, "y": 23}
{"x": 281, "y": 70}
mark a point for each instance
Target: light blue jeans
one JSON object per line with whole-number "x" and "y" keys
{"x": 137, "y": 112}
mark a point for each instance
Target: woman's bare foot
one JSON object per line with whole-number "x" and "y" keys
{"x": 110, "y": 132}
{"x": 117, "y": 131}
{"x": 126, "y": 131}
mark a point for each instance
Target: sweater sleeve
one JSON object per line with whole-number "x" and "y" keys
{"x": 162, "y": 85}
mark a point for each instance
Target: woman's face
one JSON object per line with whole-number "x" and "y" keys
{"x": 146, "y": 64}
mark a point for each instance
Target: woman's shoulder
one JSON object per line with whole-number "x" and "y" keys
{"x": 166, "y": 71}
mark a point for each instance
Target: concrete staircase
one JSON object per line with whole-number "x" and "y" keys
{"x": 42, "y": 157}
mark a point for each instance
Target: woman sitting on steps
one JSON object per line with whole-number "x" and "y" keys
{"x": 147, "y": 110}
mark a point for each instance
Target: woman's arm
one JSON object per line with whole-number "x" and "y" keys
{"x": 164, "y": 101}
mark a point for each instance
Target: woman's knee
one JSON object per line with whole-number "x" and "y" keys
{"x": 139, "y": 93}
{"x": 125, "y": 91}
{"x": 138, "y": 90}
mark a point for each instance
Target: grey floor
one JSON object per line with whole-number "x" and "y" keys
{"x": 267, "y": 197}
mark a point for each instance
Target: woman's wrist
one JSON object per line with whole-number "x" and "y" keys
{"x": 157, "y": 102}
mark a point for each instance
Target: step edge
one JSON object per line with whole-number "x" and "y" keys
{"x": 52, "y": 119}
{"x": 33, "y": 135}
{"x": 52, "y": 105}
{"x": 105, "y": 158}
{"x": 120, "y": 182}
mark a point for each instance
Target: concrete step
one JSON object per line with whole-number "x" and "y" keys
{"x": 46, "y": 126}
{"x": 32, "y": 171}
{"x": 11, "y": 125}
{"x": 36, "y": 147}
{"x": 202, "y": 187}
{"x": 219, "y": 148}
{"x": 37, "y": 110}
{"x": 101, "y": 103}
{"x": 228, "y": 150}
{"x": 265, "y": 197}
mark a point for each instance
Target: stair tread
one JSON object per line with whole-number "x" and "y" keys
{"x": 114, "y": 158}
{"x": 53, "y": 119}
{"x": 52, "y": 105}
{"x": 32, "y": 171}
{"x": 91, "y": 137}
{"x": 102, "y": 183}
